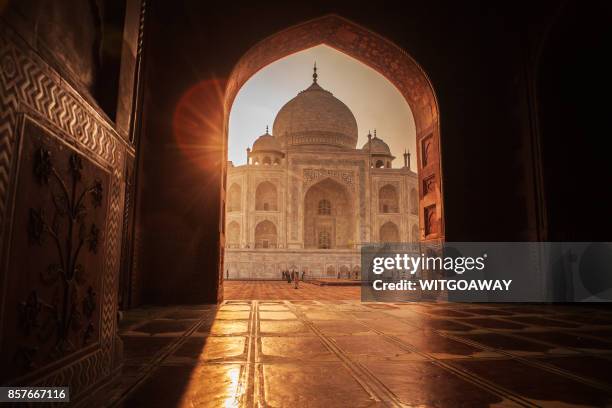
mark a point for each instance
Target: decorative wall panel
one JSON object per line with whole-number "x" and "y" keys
{"x": 61, "y": 203}
{"x": 59, "y": 217}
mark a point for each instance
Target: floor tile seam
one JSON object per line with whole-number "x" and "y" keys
{"x": 521, "y": 336}
{"x": 244, "y": 396}
{"x": 465, "y": 375}
{"x": 465, "y": 321}
{"x": 547, "y": 367}
{"x": 154, "y": 365}
{"x": 258, "y": 379}
{"x": 599, "y": 385}
{"x": 161, "y": 312}
{"x": 370, "y": 383}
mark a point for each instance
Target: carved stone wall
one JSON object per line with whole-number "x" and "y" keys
{"x": 61, "y": 209}
{"x": 312, "y": 176}
{"x": 127, "y": 278}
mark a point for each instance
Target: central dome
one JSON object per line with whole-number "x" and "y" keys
{"x": 315, "y": 117}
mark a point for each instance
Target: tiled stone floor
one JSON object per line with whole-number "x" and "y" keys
{"x": 343, "y": 353}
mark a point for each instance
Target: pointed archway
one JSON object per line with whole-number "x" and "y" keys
{"x": 389, "y": 60}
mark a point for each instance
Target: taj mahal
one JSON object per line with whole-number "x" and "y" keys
{"x": 308, "y": 198}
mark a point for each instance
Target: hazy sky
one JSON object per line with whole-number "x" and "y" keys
{"x": 374, "y": 101}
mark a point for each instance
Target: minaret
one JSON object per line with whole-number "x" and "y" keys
{"x": 370, "y": 148}
{"x": 407, "y": 159}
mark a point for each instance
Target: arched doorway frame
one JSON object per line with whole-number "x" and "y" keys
{"x": 386, "y": 58}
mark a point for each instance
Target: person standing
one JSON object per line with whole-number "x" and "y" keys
{"x": 296, "y": 279}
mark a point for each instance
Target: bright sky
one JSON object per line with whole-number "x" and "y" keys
{"x": 374, "y": 101}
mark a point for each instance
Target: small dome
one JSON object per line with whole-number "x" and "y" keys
{"x": 378, "y": 146}
{"x": 266, "y": 143}
{"x": 316, "y": 117}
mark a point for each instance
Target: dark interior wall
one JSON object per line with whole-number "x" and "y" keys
{"x": 69, "y": 30}
{"x": 83, "y": 38}
{"x": 574, "y": 87}
{"x": 474, "y": 53}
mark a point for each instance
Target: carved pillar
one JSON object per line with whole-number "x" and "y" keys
{"x": 131, "y": 280}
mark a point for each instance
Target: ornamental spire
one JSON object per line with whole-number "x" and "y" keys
{"x": 314, "y": 74}
{"x": 267, "y": 130}
{"x": 407, "y": 158}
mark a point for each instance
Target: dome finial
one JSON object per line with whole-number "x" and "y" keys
{"x": 314, "y": 74}
{"x": 374, "y": 133}
{"x": 267, "y": 131}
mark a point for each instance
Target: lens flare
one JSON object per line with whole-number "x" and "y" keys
{"x": 198, "y": 124}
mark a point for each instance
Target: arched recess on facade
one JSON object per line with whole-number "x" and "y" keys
{"x": 329, "y": 217}
{"x": 234, "y": 198}
{"x": 330, "y": 270}
{"x": 345, "y": 271}
{"x": 388, "y": 199}
{"x": 386, "y": 58}
{"x": 266, "y": 235}
{"x": 389, "y": 232}
{"x": 233, "y": 235}
{"x": 266, "y": 197}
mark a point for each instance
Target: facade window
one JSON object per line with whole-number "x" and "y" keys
{"x": 324, "y": 240}
{"x": 266, "y": 207}
{"x": 324, "y": 207}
